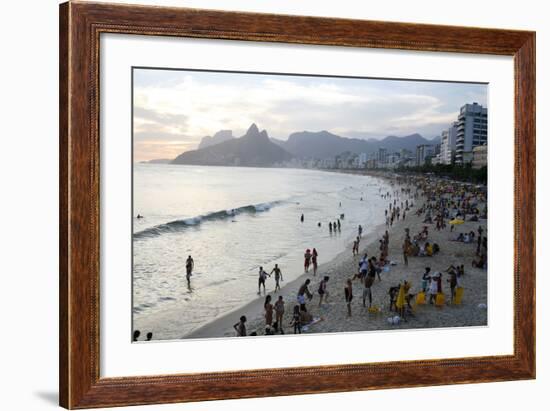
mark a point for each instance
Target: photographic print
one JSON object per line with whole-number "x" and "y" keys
{"x": 282, "y": 204}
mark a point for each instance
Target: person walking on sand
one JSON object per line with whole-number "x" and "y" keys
{"x": 323, "y": 293}
{"x": 262, "y": 275}
{"x": 368, "y": 281}
{"x": 355, "y": 249}
{"x": 189, "y": 266}
{"x": 348, "y": 295}
{"x": 268, "y": 307}
{"x": 279, "y": 312}
{"x": 359, "y": 230}
{"x": 406, "y": 252}
{"x": 426, "y": 279}
{"x": 278, "y": 276}
{"x": 240, "y": 327}
{"x": 314, "y": 256}
{"x": 307, "y": 260}
{"x": 302, "y": 293}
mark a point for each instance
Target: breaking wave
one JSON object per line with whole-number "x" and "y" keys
{"x": 177, "y": 225}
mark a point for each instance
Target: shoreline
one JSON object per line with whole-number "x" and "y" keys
{"x": 254, "y": 309}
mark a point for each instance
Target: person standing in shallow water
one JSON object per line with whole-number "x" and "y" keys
{"x": 302, "y": 218}
{"x": 189, "y": 266}
{"x": 262, "y": 275}
{"x": 314, "y": 256}
{"x": 307, "y": 260}
{"x": 278, "y": 276}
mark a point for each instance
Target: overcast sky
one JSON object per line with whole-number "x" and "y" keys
{"x": 174, "y": 109}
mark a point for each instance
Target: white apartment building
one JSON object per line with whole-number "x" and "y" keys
{"x": 448, "y": 144}
{"x": 423, "y": 152}
{"x": 471, "y": 131}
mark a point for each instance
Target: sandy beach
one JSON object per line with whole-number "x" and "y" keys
{"x": 332, "y": 315}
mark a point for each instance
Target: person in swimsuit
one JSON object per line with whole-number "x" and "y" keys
{"x": 323, "y": 293}
{"x": 302, "y": 218}
{"x": 262, "y": 275}
{"x": 307, "y": 260}
{"x": 302, "y": 293}
{"x": 368, "y": 280}
{"x": 240, "y": 327}
{"x": 268, "y": 307}
{"x": 314, "y": 256}
{"x": 189, "y": 266}
{"x": 279, "y": 312}
{"x": 278, "y": 276}
{"x": 348, "y": 295}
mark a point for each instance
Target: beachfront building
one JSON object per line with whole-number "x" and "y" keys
{"x": 471, "y": 131}
{"x": 448, "y": 144}
{"x": 479, "y": 156}
{"x": 423, "y": 153}
{"x": 363, "y": 157}
{"x": 382, "y": 156}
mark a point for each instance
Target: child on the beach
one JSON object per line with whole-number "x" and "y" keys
{"x": 296, "y": 320}
{"x": 240, "y": 327}
{"x": 323, "y": 293}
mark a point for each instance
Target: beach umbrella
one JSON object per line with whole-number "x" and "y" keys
{"x": 455, "y": 221}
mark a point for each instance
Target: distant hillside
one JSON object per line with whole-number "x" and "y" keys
{"x": 323, "y": 144}
{"x": 254, "y": 149}
{"x": 219, "y": 137}
{"x": 159, "y": 161}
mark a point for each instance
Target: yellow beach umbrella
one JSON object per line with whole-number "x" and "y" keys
{"x": 455, "y": 222}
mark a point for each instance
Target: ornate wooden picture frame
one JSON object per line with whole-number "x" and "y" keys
{"x": 81, "y": 25}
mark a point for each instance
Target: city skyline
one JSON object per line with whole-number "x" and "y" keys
{"x": 174, "y": 109}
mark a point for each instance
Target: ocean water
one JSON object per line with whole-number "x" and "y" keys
{"x": 232, "y": 220}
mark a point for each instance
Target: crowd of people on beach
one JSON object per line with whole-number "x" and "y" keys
{"x": 444, "y": 204}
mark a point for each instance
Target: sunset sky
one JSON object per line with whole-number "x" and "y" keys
{"x": 174, "y": 109}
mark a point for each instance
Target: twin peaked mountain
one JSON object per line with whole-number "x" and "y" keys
{"x": 256, "y": 149}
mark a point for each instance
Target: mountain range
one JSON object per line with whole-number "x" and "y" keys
{"x": 255, "y": 148}
{"x": 219, "y": 137}
{"x": 323, "y": 144}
